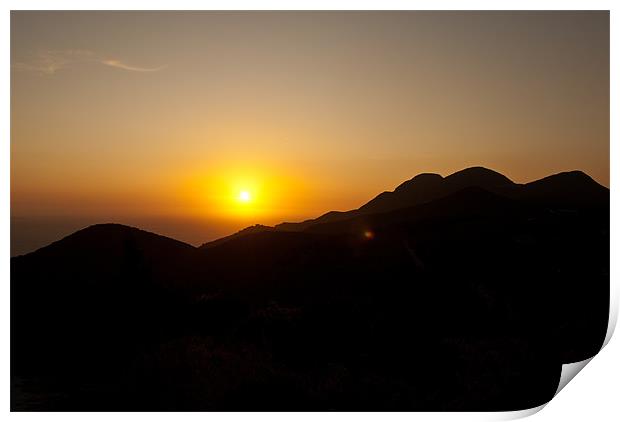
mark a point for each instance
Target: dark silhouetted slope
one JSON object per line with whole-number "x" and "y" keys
{"x": 257, "y": 228}
{"x": 94, "y": 295}
{"x": 466, "y": 203}
{"x": 564, "y": 189}
{"x": 422, "y": 188}
{"x": 478, "y": 176}
{"x": 427, "y": 187}
{"x": 571, "y": 189}
{"x": 467, "y": 292}
{"x": 103, "y": 252}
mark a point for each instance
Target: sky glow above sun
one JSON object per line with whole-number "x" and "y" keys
{"x": 248, "y": 191}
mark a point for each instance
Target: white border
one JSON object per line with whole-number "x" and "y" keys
{"x": 593, "y": 395}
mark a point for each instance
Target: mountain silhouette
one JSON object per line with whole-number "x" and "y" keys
{"x": 569, "y": 189}
{"x": 257, "y": 228}
{"x": 426, "y": 187}
{"x": 557, "y": 189}
{"x": 464, "y": 292}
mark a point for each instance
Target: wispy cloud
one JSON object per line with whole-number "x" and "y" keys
{"x": 51, "y": 61}
{"x": 121, "y": 65}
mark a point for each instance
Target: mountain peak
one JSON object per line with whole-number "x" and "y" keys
{"x": 422, "y": 179}
{"x": 256, "y": 228}
{"x": 478, "y": 176}
{"x": 98, "y": 238}
{"x": 573, "y": 179}
{"x": 570, "y": 175}
{"x": 429, "y": 186}
{"x": 568, "y": 187}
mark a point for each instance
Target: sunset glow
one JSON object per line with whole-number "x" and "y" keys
{"x": 224, "y": 120}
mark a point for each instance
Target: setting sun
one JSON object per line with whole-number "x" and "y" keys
{"x": 244, "y": 196}
{"x": 246, "y": 192}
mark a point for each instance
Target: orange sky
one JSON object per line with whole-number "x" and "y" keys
{"x": 146, "y": 117}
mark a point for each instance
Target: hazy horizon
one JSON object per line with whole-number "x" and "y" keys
{"x": 162, "y": 119}
{"x": 36, "y": 232}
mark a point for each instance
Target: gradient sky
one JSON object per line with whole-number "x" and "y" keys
{"x": 159, "y": 119}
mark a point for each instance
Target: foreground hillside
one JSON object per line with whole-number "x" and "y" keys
{"x": 460, "y": 293}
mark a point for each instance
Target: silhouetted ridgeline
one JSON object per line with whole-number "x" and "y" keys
{"x": 557, "y": 189}
{"x": 464, "y": 292}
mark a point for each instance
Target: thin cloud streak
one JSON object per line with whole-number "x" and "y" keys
{"x": 51, "y": 61}
{"x": 121, "y": 65}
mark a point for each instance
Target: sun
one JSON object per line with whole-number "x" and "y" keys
{"x": 244, "y": 196}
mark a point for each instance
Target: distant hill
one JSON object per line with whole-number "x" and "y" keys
{"x": 569, "y": 189}
{"x": 427, "y": 187}
{"x": 103, "y": 251}
{"x": 257, "y": 228}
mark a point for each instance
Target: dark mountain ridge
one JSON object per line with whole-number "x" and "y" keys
{"x": 491, "y": 284}
{"x": 563, "y": 189}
